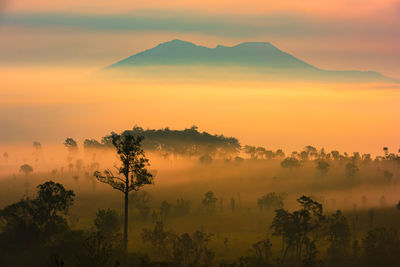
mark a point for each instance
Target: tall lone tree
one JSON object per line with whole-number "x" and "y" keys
{"x": 133, "y": 170}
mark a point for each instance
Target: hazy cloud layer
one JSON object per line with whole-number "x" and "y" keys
{"x": 101, "y": 39}
{"x": 226, "y": 25}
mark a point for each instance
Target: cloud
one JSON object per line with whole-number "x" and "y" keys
{"x": 98, "y": 39}
{"x": 226, "y": 25}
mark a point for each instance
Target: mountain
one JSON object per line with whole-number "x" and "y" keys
{"x": 179, "y": 52}
{"x": 254, "y": 56}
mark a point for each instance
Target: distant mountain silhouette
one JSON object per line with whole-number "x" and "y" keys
{"x": 250, "y": 55}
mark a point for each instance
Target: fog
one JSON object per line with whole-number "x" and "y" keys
{"x": 48, "y": 104}
{"x": 263, "y": 113}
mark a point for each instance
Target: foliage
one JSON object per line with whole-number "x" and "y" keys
{"x": 205, "y": 159}
{"x": 133, "y": 168}
{"x": 271, "y": 201}
{"x": 141, "y": 201}
{"x": 209, "y": 201}
{"x": 298, "y": 228}
{"x": 381, "y": 247}
{"x": 71, "y": 145}
{"x": 107, "y": 222}
{"x": 290, "y": 163}
{"x": 339, "y": 237}
{"x": 25, "y": 168}
{"x": 322, "y": 166}
{"x": 351, "y": 169}
{"x": 188, "y": 142}
{"x": 36, "y": 219}
{"x": 180, "y": 250}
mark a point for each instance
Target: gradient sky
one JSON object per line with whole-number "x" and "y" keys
{"x": 49, "y": 51}
{"x": 352, "y": 34}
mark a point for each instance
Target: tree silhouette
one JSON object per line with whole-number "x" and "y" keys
{"x": 36, "y": 220}
{"x": 381, "y": 247}
{"x": 205, "y": 159}
{"x": 71, "y": 145}
{"x": 133, "y": 169}
{"x": 271, "y": 201}
{"x": 351, "y": 169}
{"x": 180, "y": 250}
{"x": 338, "y": 235}
{"x": 27, "y": 169}
{"x": 107, "y": 222}
{"x": 290, "y": 163}
{"x": 297, "y": 228}
{"x": 37, "y": 146}
{"x": 209, "y": 201}
{"x": 322, "y": 167}
{"x": 141, "y": 201}
{"x": 5, "y": 156}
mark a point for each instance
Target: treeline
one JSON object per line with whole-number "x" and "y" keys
{"x": 36, "y": 232}
{"x": 189, "y": 142}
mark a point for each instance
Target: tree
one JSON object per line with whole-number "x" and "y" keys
{"x": 5, "y": 156}
{"x": 387, "y": 176}
{"x": 279, "y": 153}
{"x": 53, "y": 201}
{"x": 351, "y": 169}
{"x": 322, "y": 167}
{"x": 71, "y": 145}
{"x": 133, "y": 168}
{"x": 382, "y": 247}
{"x": 37, "y": 146}
{"x": 205, "y": 159}
{"x": 36, "y": 220}
{"x": 263, "y": 251}
{"x": 297, "y": 228}
{"x": 107, "y": 222}
{"x": 386, "y": 151}
{"x": 79, "y": 165}
{"x": 290, "y": 163}
{"x": 27, "y": 169}
{"x": 180, "y": 250}
{"x": 182, "y": 207}
{"x": 165, "y": 210}
{"x": 338, "y": 233}
{"x": 251, "y": 150}
{"x": 141, "y": 201}
{"x": 209, "y": 201}
{"x": 271, "y": 201}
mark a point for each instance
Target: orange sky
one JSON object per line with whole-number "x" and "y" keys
{"x": 340, "y": 34}
{"x": 50, "y": 104}
{"x": 316, "y": 7}
{"x": 48, "y": 49}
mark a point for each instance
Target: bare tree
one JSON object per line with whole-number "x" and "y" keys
{"x": 133, "y": 169}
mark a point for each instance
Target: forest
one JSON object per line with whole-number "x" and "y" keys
{"x": 188, "y": 198}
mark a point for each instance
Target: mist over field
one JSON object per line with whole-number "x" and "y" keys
{"x": 247, "y": 183}
{"x": 49, "y": 104}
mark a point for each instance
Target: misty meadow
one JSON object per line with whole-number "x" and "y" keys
{"x": 199, "y": 133}
{"x": 171, "y": 197}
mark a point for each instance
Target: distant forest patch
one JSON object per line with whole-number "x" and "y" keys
{"x": 189, "y": 142}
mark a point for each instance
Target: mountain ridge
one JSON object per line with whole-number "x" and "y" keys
{"x": 247, "y": 54}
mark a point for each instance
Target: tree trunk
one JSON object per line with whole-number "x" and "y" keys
{"x": 126, "y": 222}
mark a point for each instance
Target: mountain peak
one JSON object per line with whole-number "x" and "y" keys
{"x": 179, "y": 52}
{"x": 254, "y": 44}
{"x": 176, "y": 42}
{"x": 251, "y": 55}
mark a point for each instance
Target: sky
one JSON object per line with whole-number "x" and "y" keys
{"x": 338, "y": 34}
{"x": 51, "y": 50}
